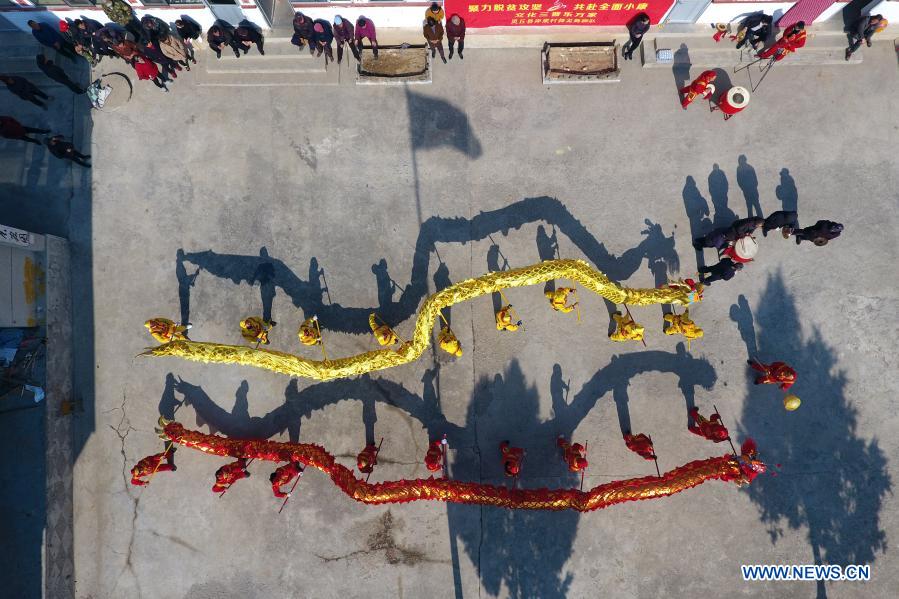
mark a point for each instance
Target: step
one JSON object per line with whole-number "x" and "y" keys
{"x": 254, "y": 63}
{"x": 331, "y": 77}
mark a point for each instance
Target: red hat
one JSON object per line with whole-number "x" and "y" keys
{"x": 318, "y": 27}
{"x": 63, "y": 26}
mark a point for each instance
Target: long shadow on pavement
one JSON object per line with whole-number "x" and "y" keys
{"x": 833, "y": 481}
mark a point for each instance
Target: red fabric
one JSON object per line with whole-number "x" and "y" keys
{"x": 511, "y": 458}
{"x": 150, "y": 464}
{"x": 776, "y": 373}
{"x": 710, "y": 428}
{"x": 367, "y": 458}
{"x": 283, "y": 476}
{"x": 434, "y": 457}
{"x": 229, "y": 474}
{"x": 697, "y": 87}
{"x": 574, "y": 454}
{"x": 788, "y": 43}
{"x": 804, "y": 10}
{"x": 552, "y": 13}
{"x": 731, "y": 253}
{"x": 641, "y": 445}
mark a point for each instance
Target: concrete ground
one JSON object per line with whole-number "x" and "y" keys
{"x": 213, "y": 203}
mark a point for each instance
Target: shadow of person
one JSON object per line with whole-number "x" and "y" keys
{"x": 786, "y": 192}
{"x": 722, "y": 84}
{"x": 547, "y": 249}
{"x": 434, "y": 122}
{"x": 168, "y": 403}
{"x": 697, "y": 209}
{"x": 839, "y": 507}
{"x": 749, "y": 185}
{"x": 494, "y": 254}
{"x": 264, "y": 275}
{"x": 718, "y": 187}
{"x": 386, "y": 285}
{"x": 662, "y": 257}
{"x": 741, "y": 314}
{"x": 681, "y": 69}
{"x": 185, "y": 282}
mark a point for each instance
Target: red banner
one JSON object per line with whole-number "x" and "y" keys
{"x": 553, "y": 12}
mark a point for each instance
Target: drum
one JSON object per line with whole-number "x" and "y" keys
{"x": 746, "y": 248}
{"x": 735, "y": 100}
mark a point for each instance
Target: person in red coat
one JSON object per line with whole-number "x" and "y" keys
{"x": 229, "y": 474}
{"x": 708, "y": 428}
{"x": 701, "y": 86}
{"x": 511, "y": 458}
{"x": 791, "y": 40}
{"x": 455, "y": 31}
{"x": 641, "y": 445}
{"x": 574, "y": 454}
{"x": 775, "y": 373}
{"x": 283, "y": 476}
{"x": 150, "y": 464}
{"x": 147, "y": 71}
{"x": 367, "y": 459}
{"x": 434, "y": 457}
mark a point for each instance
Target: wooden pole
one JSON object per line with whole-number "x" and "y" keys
{"x": 321, "y": 340}
{"x": 656, "y": 458}
{"x": 377, "y": 452}
{"x": 286, "y": 499}
{"x": 166, "y": 447}
{"x": 728, "y": 434}
{"x": 632, "y": 318}
{"x": 229, "y": 484}
{"x": 443, "y": 446}
{"x": 584, "y": 469}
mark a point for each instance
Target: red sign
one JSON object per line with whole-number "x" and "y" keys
{"x": 553, "y": 12}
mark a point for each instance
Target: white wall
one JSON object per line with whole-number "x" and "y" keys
{"x": 169, "y": 14}
{"x": 724, "y": 12}
{"x": 409, "y": 16}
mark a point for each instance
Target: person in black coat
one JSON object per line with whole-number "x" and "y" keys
{"x": 153, "y": 29}
{"x": 25, "y": 89}
{"x": 303, "y": 32}
{"x": 188, "y": 31}
{"x": 743, "y": 227}
{"x": 324, "y": 35}
{"x": 636, "y": 30}
{"x": 246, "y": 36}
{"x": 819, "y": 233}
{"x": 55, "y": 73}
{"x": 218, "y": 37}
{"x": 723, "y": 271}
{"x": 757, "y": 27}
{"x": 785, "y": 220}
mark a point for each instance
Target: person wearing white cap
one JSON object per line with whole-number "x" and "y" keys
{"x": 344, "y": 35}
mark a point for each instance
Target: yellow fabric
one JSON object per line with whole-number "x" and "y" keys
{"x": 308, "y": 332}
{"x": 626, "y": 329}
{"x": 559, "y": 298}
{"x": 681, "y": 324}
{"x": 578, "y": 271}
{"x": 449, "y": 343}
{"x": 504, "y": 319}
{"x": 165, "y": 330}
{"x": 437, "y": 16}
{"x": 383, "y": 333}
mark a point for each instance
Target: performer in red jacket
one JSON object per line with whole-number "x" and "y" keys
{"x": 574, "y": 454}
{"x": 791, "y": 40}
{"x": 150, "y": 464}
{"x": 229, "y": 474}
{"x": 511, "y": 458}
{"x": 641, "y": 445}
{"x": 434, "y": 457}
{"x": 701, "y": 86}
{"x": 283, "y": 476}
{"x": 710, "y": 428}
{"x": 775, "y": 373}
{"x": 367, "y": 459}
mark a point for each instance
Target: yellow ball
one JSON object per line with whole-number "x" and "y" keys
{"x": 791, "y": 402}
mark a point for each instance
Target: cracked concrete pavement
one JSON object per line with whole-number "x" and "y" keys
{"x": 287, "y": 200}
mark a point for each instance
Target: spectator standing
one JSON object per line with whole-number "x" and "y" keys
{"x": 174, "y": 49}
{"x": 324, "y": 35}
{"x": 433, "y": 32}
{"x": 188, "y": 31}
{"x": 219, "y": 37}
{"x": 819, "y": 233}
{"x": 170, "y": 68}
{"x": 785, "y": 220}
{"x": 63, "y": 149}
{"x": 10, "y": 128}
{"x": 246, "y": 36}
{"x": 636, "y": 30}
{"x": 153, "y": 28}
{"x": 55, "y": 73}
{"x": 757, "y": 27}
{"x": 435, "y": 11}
{"x": 121, "y": 13}
{"x": 343, "y": 35}
{"x": 51, "y": 38}
{"x": 147, "y": 70}
{"x": 864, "y": 29}
{"x": 25, "y": 90}
{"x": 723, "y": 271}
{"x": 303, "y": 33}
{"x": 366, "y": 29}
{"x": 455, "y": 31}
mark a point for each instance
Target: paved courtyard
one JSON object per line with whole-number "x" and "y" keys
{"x": 214, "y": 203}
